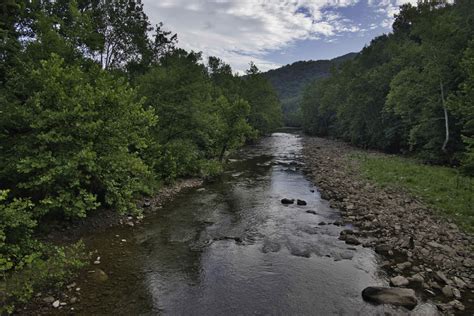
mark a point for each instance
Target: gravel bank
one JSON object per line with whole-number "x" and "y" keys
{"x": 430, "y": 252}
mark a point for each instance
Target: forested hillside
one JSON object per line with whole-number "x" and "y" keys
{"x": 290, "y": 80}
{"x": 95, "y": 113}
{"x": 409, "y": 91}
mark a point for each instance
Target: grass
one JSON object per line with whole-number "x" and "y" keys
{"x": 442, "y": 188}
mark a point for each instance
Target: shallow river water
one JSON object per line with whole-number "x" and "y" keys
{"x": 232, "y": 248}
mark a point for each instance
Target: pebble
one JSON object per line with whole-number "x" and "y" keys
{"x": 48, "y": 299}
{"x": 56, "y": 304}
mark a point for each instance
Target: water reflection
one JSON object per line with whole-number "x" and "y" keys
{"x": 234, "y": 249}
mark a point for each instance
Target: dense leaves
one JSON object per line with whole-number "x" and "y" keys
{"x": 409, "y": 91}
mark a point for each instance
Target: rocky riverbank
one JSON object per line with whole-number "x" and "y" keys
{"x": 420, "y": 249}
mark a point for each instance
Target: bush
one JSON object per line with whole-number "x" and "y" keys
{"x": 49, "y": 267}
{"x": 73, "y": 142}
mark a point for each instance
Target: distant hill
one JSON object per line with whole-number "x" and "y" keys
{"x": 290, "y": 80}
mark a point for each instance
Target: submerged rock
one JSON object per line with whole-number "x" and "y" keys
{"x": 301, "y": 202}
{"x": 287, "y": 201}
{"x": 295, "y": 251}
{"x": 311, "y": 212}
{"x": 270, "y": 246}
{"x": 393, "y": 296}
{"x": 351, "y": 240}
{"x": 99, "y": 275}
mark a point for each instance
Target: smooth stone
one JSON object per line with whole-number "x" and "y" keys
{"x": 399, "y": 281}
{"x": 447, "y": 291}
{"x": 394, "y": 296}
{"x": 56, "y": 304}
{"x": 287, "y": 201}
{"x": 426, "y": 309}
{"x": 48, "y": 299}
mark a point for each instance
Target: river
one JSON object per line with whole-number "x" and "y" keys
{"x": 232, "y": 248}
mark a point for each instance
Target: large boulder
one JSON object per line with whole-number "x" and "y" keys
{"x": 392, "y": 296}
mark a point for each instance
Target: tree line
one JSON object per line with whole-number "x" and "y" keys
{"x": 98, "y": 107}
{"x": 410, "y": 91}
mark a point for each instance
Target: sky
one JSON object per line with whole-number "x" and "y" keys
{"x": 273, "y": 33}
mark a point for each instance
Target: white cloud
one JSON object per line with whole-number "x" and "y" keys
{"x": 239, "y": 31}
{"x": 389, "y": 8}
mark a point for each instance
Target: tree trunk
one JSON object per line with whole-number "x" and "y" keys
{"x": 446, "y": 122}
{"x": 221, "y": 156}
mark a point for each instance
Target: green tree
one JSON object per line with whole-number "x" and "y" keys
{"x": 265, "y": 108}
{"x": 72, "y": 142}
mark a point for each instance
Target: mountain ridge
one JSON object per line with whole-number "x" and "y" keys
{"x": 290, "y": 80}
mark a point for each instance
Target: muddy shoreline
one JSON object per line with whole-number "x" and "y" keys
{"x": 426, "y": 252}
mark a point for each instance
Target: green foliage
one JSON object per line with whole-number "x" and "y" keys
{"x": 442, "y": 188}
{"x": 408, "y": 91}
{"x": 48, "y": 267}
{"x": 73, "y": 142}
{"x": 265, "y": 108}
{"x": 463, "y": 105}
{"x": 16, "y": 228}
{"x": 94, "y": 113}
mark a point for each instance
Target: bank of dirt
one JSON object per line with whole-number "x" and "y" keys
{"x": 430, "y": 252}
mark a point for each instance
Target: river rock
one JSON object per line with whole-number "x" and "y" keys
{"x": 99, "y": 275}
{"x": 447, "y": 291}
{"x": 441, "y": 277}
{"x": 457, "y": 293}
{"x": 270, "y": 246}
{"x": 48, "y": 299}
{"x": 56, "y": 304}
{"x": 404, "y": 265}
{"x": 383, "y": 249}
{"x": 287, "y": 201}
{"x": 459, "y": 283}
{"x": 394, "y": 296}
{"x": 295, "y": 251}
{"x": 311, "y": 212}
{"x": 417, "y": 278}
{"x": 301, "y": 202}
{"x": 310, "y": 230}
{"x": 351, "y": 240}
{"x": 426, "y": 309}
{"x": 399, "y": 281}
